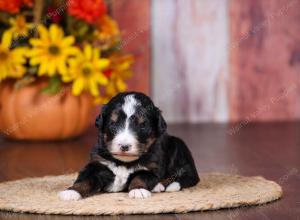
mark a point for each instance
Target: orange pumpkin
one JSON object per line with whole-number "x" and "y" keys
{"x": 28, "y": 114}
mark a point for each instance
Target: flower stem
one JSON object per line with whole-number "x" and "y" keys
{"x": 38, "y": 9}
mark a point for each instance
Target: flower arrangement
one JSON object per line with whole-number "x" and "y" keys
{"x": 70, "y": 42}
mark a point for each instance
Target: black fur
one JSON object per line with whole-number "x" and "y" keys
{"x": 166, "y": 158}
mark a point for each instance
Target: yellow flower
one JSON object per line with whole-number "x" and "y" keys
{"x": 120, "y": 70}
{"x": 85, "y": 70}
{"x": 19, "y": 27}
{"x": 11, "y": 60}
{"x": 52, "y": 50}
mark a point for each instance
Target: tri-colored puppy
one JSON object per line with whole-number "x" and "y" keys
{"x": 134, "y": 153}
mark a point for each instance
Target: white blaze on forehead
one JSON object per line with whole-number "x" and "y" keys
{"x": 129, "y": 105}
{"x": 125, "y": 135}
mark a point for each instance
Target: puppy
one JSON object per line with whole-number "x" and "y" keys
{"x": 134, "y": 153}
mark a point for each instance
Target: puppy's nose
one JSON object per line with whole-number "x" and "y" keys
{"x": 125, "y": 148}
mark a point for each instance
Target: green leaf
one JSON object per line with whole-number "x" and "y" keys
{"x": 78, "y": 28}
{"x": 4, "y": 17}
{"x": 33, "y": 70}
{"x": 24, "y": 81}
{"x": 53, "y": 86}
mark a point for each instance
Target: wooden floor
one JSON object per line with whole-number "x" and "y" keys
{"x": 270, "y": 150}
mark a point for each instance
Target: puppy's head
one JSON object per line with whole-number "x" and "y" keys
{"x": 129, "y": 124}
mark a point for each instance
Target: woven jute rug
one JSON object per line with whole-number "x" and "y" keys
{"x": 215, "y": 191}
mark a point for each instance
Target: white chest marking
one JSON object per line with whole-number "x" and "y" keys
{"x": 121, "y": 175}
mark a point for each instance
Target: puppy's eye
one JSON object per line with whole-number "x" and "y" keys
{"x": 142, "y": 125}
{"x": 113, "y": 125}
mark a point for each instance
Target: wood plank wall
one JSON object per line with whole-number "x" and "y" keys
{"x": 133, "y": 17}
{"x": 226, "y": 60}
{"x": 265, "y": 60}
{"x": 189, "y": 59}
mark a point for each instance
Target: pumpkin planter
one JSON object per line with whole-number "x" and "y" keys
{"x": 28, "y": 114}
{"x": 75, "y": 55}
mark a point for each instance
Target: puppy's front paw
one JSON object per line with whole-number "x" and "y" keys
{"x": 173, "y": 187}
{"x": 69, "y": 195}
{"x": 158, "y": 188}
{"x": 139, "y": 194}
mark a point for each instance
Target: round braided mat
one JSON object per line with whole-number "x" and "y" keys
{"x": 215, "y": 191}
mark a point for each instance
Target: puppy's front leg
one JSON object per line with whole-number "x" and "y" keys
{"x": 91, "y": 180}
{"x": 141, "y": 183}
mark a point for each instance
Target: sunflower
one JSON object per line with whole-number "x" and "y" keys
{"x": 19, "y": 27}
{"x": 52, "y": 50}
{"x": 11, "y": 60}
{"x": 85, "y": 70}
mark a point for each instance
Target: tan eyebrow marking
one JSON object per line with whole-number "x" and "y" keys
{"x": 141, "y": 119}
{"x": 114, "y": 117}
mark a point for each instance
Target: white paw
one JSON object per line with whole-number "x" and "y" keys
{"x": 139, "y": 194}
{"x": 158, "y": 188}
{"x": 173, "y": 187}
{"x": 69, "y": 195}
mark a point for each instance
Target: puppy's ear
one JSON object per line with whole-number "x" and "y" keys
{"x": 161, "y": 123}
{"x": 99, "y": 120}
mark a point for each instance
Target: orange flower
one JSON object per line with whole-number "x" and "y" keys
{"x": 10, "y": 6}
{"x": 108, "y": 26}
{"x": 107, "y": 33}
{"x": 13, "y": 6}
{"x": 28, "y": 3}
{"x": 88, "y": 10}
